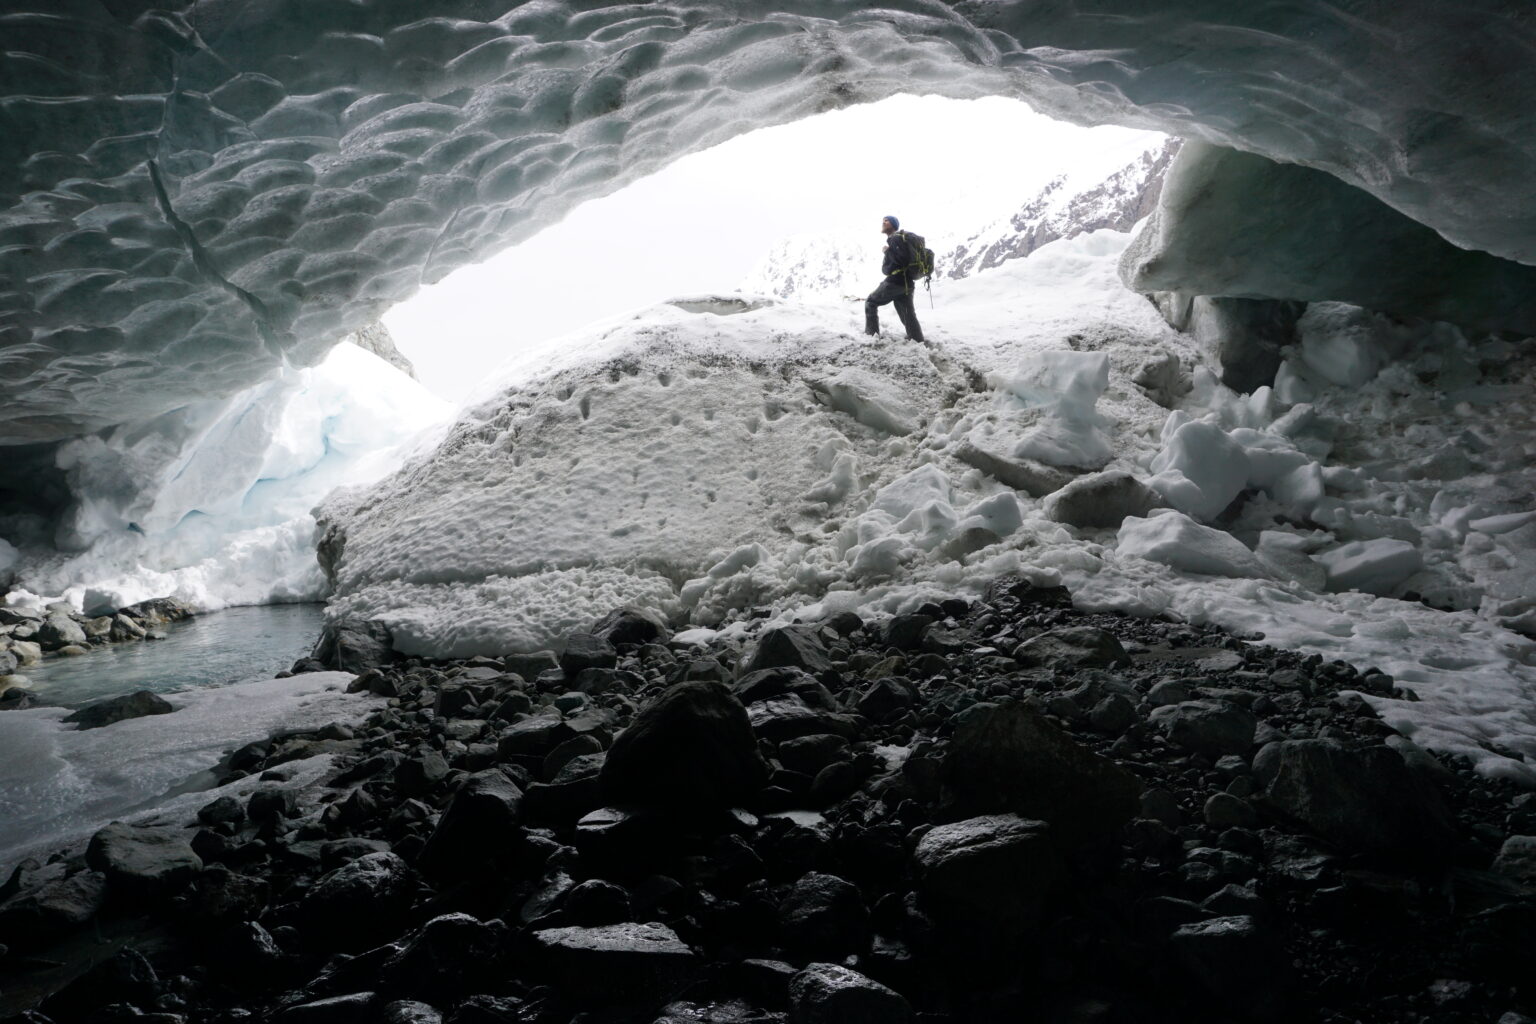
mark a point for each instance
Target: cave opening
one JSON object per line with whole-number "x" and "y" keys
{"x": 746, "y": 216}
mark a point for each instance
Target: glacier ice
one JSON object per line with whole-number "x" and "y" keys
{"x": 211, "y": 504}
{"x": 1243, "y": 226}
{"x": 193, "y": 197}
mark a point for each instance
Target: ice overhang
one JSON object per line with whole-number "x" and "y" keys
{"x": 195, "y": 192}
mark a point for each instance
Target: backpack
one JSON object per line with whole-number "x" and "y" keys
{"x": 921, "y": 264}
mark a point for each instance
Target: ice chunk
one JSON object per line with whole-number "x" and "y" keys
{"x": 1201, "y": 470}
{"x": 912, "y": 491}
{"x": 1377, "y": 566}
{"x": 1492, "y": 525}
{"x": 1066, "y": 385}
{"x": 1174, "y": 539}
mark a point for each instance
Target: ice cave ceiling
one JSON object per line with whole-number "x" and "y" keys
{"x": 192, "y": 192}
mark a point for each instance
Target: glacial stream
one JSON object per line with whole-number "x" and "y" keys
{"x": 58, "y": 783}
{"x": 215, "y": 649}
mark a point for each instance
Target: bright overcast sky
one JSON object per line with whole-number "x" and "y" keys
{"x": 945, "y": 167}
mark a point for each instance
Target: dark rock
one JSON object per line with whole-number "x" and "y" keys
{"x": 59, "y": 630}
{"x": 360, "y": 903}
{"x": 225, "y": 809}
{"x": 405, "y": 1011}
{"x": 532, "y": 665}
{"x": 572, "y": 792}
{"x": 1210, "y": 727}
{"x": 143, "y": 862}
{"x": 1100, "y": 500}
{"x": 384, "y": 760}
{"x": 810, "y": 754}
{"x": 886, "y": 698}
{"x": 118, "y": 709}
{"x": 445, "y": 959}
{"x": 534, "y": 737}
{"x": 905, "y": 632}
{"x": 639, "y": 964}
{"x": 788, "y": 717}
{"x": 845, "y": 623}
{"x": 632, "y": 625}
{"x": 1239, "y": 962}
{"x": 580, "y": 745}
{"x": 829, "y": 994}
{"x": 158, "y": 611}
{"x": 225, "y": 897}
{"x": 480, "y": 821}
{"x": 691, "y": 747}
{"x": 37, "y": 916}
{"x": 1072, "y": 647}
{"x": 417, "y": 775}
{"x": 1113, "y": 715}
{"x": 584, "y": 651}
{"x": 823, "y": 917}
{"x": 787, "y": 646}
{"x": 353, "y": 1008}
{"x": 354, "y": 646}
{"x": 1012, "y": 759}
{"x": 1364, "y": 800}
{"x": 269, "y": 803}
{"x": 1167, "y": 693}
{"x": 768, "y": 683}
{"x": 125, "y": 977}
{"x": 596, "y": 902}
{"x": 1223, "y": 810}
{"x": 995, "y": 870}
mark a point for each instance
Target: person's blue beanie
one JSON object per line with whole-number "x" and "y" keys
{"x": 894, "y": 222}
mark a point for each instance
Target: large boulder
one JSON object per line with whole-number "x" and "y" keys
{"x": 791, "y": 646}
{"x": 992, "y": 871}
{"x": 354, "y": 646}
{"x": 631, "y": 965}
{"x": 692, "y": 747}
{"x": 59, "y": 630}
{"x": 1363, "y": 799}
{"x": 831, "y": 994}
{"x": 119, "y": 709}
{"x": 1013, "y": 759}
{"x": 480, "y": 822}
{"x": 39, "y": 915}
{"x": 632, "y": 625}
{"x": 360, "y": 903}
{"x": 1101, "y": 500}
{"x": 1072, "y": 647}
{"x": 1214, "y": 728}
{"x": 824, "y": 917}
{"x": 143, "y": 862}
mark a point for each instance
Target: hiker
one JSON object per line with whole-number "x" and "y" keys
{"x": 896, "y": 287}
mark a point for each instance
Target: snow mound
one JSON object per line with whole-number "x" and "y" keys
{"x": 776, "y": 460}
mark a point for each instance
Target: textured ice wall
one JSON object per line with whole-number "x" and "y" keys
{"x": 194, "y": 192}
{"x": 1237, "y": 224}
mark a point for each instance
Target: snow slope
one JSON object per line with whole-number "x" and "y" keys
{"x": 714, "y": 456}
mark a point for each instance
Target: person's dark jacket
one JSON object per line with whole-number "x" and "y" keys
{"x": 898, "y": 256}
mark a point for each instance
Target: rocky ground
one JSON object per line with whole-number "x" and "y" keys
{"x": 1000, "y": 811}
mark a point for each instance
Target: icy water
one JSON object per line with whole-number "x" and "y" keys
{"x": 211, "y": 650}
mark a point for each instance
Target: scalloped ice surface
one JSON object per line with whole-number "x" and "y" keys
{"x": 194, "y": 193}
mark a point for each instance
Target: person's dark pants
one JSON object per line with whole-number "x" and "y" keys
{"x": 892, "y": 289}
